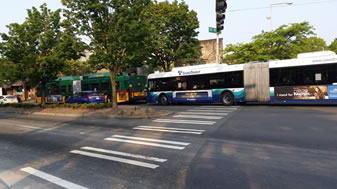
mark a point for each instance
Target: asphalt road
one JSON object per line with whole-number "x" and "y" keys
{"x": 201, "y": 146}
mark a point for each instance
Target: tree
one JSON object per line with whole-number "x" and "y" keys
{"x": 173, "y": 29}
{"x": 313, "y": 43}
{"x": 16, "y": 57}
{"x": 283, "y": 43}
{"x": 333, "y": 46}
{"x": 38, "y": 49}
{"x": 7, "y": 72}
{"x": 117, "y": 32}
{"x": 77, "y": 67}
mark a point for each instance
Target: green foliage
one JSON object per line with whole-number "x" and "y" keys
{"x": 20, "y": 105}
{"x": 16, "y": 60}
{"x": 93, "y": 106}
{"x": 174, "y": 36}
{"x": 77, "y": 67}
{"x": 36, "y": 51}
{"x": 333, "y": 46}
{"x": 117, "y": 32}
{"x": 283, "y": 43}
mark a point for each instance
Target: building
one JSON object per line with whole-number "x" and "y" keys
{"x": 208, "y": 50}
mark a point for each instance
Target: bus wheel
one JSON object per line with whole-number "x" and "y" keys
{"x": 163, "y": 100}
{"x": 227, "y": 98}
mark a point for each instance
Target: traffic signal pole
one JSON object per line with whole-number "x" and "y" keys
{"x": 217, "y": 48}
{"x": 220, "y": 9}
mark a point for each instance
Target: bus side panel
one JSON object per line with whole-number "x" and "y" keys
{"x": 330, "y": 96}
{"x": 191, "y": 96}
{"x": 153, "y": 97}
{"x": 239, "y": 94}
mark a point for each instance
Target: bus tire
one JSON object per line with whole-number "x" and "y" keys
{"x": 227, "y": 99}
{"x": 163, "y": 100}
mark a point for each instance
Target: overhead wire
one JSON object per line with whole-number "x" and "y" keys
{"x": 295, "y": 4}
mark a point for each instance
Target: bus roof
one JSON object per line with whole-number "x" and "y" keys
{"x": 197, "y": 70}
{"x": 303, "y": 59}
{"x": 68, "y": 78}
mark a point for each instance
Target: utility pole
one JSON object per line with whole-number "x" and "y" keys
{"x": 270, "y": 17}
{"x": 220, "y": 9}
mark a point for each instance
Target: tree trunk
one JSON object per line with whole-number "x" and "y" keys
{"x": 114, "y": 90}
{"x": 24, "y": 91}
{"x": 43, "y": 87}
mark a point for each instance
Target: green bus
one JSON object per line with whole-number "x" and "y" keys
{"x": 129, "y": 88}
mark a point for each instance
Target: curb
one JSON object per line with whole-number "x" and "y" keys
{"x": 88, "y": 116}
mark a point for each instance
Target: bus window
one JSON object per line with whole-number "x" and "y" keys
{"x": 105, "y": 86}
{"x": 63, "y": 88}
{"x": 95, "y": 86}
{"x": 181, "y": 85}
{"x": 85, "y": 87}
{"x": 234, "y": 79}
{"x": 152, "y": 85}
{"x": 197, "y": 83}
{"x": 70, "y": 88}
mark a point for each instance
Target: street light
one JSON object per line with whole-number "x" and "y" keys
{"x": 271, "y": 11}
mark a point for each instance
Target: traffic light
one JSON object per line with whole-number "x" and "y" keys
{"x": 220, "y": 8}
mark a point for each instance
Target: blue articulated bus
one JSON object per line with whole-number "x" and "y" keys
{"x": 309, "y": 78}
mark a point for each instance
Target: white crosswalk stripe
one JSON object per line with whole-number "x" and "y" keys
{"x": 184, "y": 121}
{"x": 123, "y": 154}
{"x": 211, "y": 111}
{"x": 152, "y": 142}
{"x": 198, "y": 117}
{"x": 204, "y": 113}
{"x": 170, "y": 130}
{"x": 51, "y": 178}
{"x": 117, "y": 159}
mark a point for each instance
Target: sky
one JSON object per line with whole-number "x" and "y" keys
{"x": 244, "y": 19}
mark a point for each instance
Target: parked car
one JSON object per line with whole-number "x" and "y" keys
{"x": 8, "y": 99}
{"x": 86, "y": 97}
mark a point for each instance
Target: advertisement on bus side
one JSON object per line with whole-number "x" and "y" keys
{"x": 192, "y": 95}
{"x": 301, "y": 93}
{"x": 332, "y": 91}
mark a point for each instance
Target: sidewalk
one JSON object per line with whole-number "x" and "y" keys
{"x": 123, "y": 112}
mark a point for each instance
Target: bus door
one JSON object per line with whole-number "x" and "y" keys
{"x": 256, "y": 82}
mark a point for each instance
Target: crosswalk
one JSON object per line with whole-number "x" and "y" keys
{"x": 195, "y": 122}
{"x": 149, "y": 142}
{"x": 200, "y": 116}
{"x": 170, "y": 130}
{"x": 179, "y": 124}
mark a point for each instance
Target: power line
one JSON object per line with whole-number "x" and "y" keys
{"x": 267, "y": 7}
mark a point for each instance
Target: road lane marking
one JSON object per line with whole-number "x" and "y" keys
{"x": 217, "y": 108}
{"x": 210, "y": 111}
{"x": 180, "y": 129}
{"x": 36, "y": 128}
{"x": 146, "y": 143}
{"x": 123, "y": 154}
{"x": 204, "y": 113}
{"x": 169, "y": 130}
{"x": 198, "y": 116}
{"x": 117, "y": 159}
{"x": 152, "y": 140}
{"x": 52, "y": 179}
{"x": 184, "y": 121}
